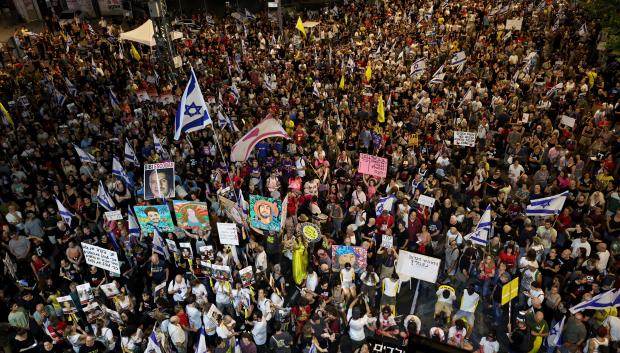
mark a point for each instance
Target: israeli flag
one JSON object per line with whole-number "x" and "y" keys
{"x": 201, "y": 347}
{"x": 459, "y": 60}
{"x": 555, "y": 335}
{"x": 158, "y": 244}
{"x": 385, "y": 203}
{"x": 267, "y": 83}
{"x": 134, "y": 226}
{"x": 249, "y": 16}
{"x": 315, "y": 90}
{"x": 59, "y": 98}
{"x": 192, "y": 114}
{"x": 429, "y": 14}
{"x": 235, "y": 92}
{"x": 104, "y": 198}
{"x": 609, "y": 299}
{"x": 555, "y": 89}
{"x": 468, "y": 97}
{"x": 153, "y": 345}
{"x": 481, "y": 234}
{"x": 90, "y": 29}
{"x": 85, "y": 157}
{"x": 437, "y": 79}
{"x": 418, "y": 67}
{"x": 64, "y": 213}
{"x": 157, "y": 143}
{"x": 583, "y": 30}
{"x": 130, "y": 154}
{"x": 119, "y": 172}
{"x": 70, "y": 87}
{"x": 93, "y": 66}
{"x": 113, "y": 100}
{"x": 546, "y": 206}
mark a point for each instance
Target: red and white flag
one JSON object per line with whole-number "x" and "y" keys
{"x": 265, "y": 129}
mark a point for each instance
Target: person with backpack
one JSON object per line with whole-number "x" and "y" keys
{"x": 281, "y": 341}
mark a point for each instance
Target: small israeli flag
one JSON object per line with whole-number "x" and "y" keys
{"x": 85, "y": 157}
{"x": 385, "y": 203}
{"x": 158, "y": 244}
{"x": 113, "y": 100}
{"x": 459, "y": 60}
{"x": 134, "y": 226}
{"x": 119, "y": 172}
{"x": 481, "y": 234}
{"x": 104, "y": 198}
{"x": 130, "y": 154}
{"x": 64, "y": 213}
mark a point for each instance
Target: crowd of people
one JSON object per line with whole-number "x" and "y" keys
{"x": 541, "y": 98}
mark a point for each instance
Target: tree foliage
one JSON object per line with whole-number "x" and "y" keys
{"x": 607, "y": 12}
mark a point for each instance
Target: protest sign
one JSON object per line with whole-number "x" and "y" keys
{"x": 418, "y": 266}
{"x": 222, "y": 273}
{"x": 100, "y": 257}
{"x": 232, "y": 210}
{"x": 247, "y": 276}
{"x": 67, "y": 304}
{"x": 372, "y": 165}
{"x": 265, "y": 213}
{"x": 426, "y": 201}
{"x": 172, "y": 246}
{"x": 568, "y": 121}
{"x": 155, "y": 216}
{"x": 310, "y": 231}
{"x": 186, "y": 251}
{"x": 191, "y": 214}
{"x": 92, "y": 311}
{"x": 387, "y": 241}
{"x": 110, "y": 290}
{"x": 510, "y": 291}
{"x": 228, "y": 233}
{"x": 464, "y": 138}
{"x": 213, "y": 314}
{"x": 514, "y": 24}
{"x": 113, "y": 215}
{"x": 85, "y": 293}
{"x": 159, "y": 181}
{"x": 342, "y": 254}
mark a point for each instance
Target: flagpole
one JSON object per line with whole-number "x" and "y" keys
{"x": 217, "y": 142}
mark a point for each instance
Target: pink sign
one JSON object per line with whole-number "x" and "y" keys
{"x": 373, "y": 165}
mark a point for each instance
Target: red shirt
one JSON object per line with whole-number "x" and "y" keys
{"x": 384, "y": 222}
{"x": 183, "y": 319}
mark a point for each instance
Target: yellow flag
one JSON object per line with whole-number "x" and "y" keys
{"x": 6, "y": 115}
{"x": 300, "y": 26}
{"x": 368, "y": 72}
{"x": 346, "y": 19}
{"x": 135, "y": 53}
{"x": 341, "y": 85}
{"x": 380, "y": 110}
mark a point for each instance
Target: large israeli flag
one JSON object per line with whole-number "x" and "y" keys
{"x": 158, "y": 244}
{"x": 481, "y": 234}
{"x": 134, "y": 227}
{"x": 385, "y": 203}
{"x": 192, "y": 114}
{"x": 555, "y": 334}
{"x": 201, "y": 347}
{"x": 546, "y": 206}
{"x": 459, "y": 60}
{"x": 609, "y": 299}
{"x": 130, "y": 154}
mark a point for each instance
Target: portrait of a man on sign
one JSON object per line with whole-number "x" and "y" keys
{"x": 159, "y": 181}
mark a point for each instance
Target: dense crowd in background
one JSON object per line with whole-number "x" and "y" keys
{"x": 56, "y": 88}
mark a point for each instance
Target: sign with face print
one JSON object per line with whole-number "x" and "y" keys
{"x": 159, "y": 181}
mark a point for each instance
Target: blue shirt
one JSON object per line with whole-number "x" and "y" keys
{"x": 262, "y": 149}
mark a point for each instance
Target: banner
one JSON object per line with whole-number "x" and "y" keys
{"x": 310, "y": 231}
{"x": 422, "y": 267}
{"x": 156, "y": 216}
{"x": 100, "y": 257}
{"x": 191, "y": 214}
{"x": 372, "y": 165}
{"x": 342, "y": 254}
{"x": 228, "y": 233}
{"x": 265, "y": 213}
{"x": 159, "y": 181}
{"x": 380, "y": 346}
{"x": 464, "y": 138}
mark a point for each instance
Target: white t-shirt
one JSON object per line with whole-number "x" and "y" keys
{"x": 356, "y": 327}
{"x": 458, "y": 336}
{"x": 177, "y": 334}
{"x": 390, "y": 288}
{"x": 415, "y": 319}
{"x": 179, "y": 289}
{"x": 312, "y": 280}
{"x": 347, "y": 275}
{"x": 221, "y": 293}
{"x": 448, "y": 300}
{"x": 259, "y": 331}
{"x": 576, "y": 244}
{"x": 603, "y": 260}
{"x": 200, "y": 291}
{"x": 489, "y": 346}
{"x": 469, "y": 302}
{"x": 613, "y": 323}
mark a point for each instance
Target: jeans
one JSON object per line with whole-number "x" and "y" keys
{"x": 497, "y": 312}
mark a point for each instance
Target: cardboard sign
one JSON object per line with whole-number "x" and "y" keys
{"x": 113, "y": 215}
{"x": 387, "y": 241}
{"x": 85, "y": 293}
{"x": 110, "y": 290}
{"x": 464, "y": 138}
{"x": 418, "y": 266}
{"x": 265, "y": 213}
{"x": 514, "y": 24}
{"x": 510, "y": 291}
{"x": 150, "y": 217}
{"x": 159, "y": 181}
{"x": 311, "y": 232}
{"x": 191, "y": 214}
{"x": 228, "y": 233}
{"x": 247, "y": 276}
{"x": 372, "y": 165}
{"x": 355, "y": 255}
{"x": 100, "y": 257}
{"x": 568, "y": 121}
{"x": 426, "y": 201}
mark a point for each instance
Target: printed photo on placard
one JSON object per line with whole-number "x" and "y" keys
{"x": 67, "y": 305}
{"x": 93, "y": 311}
{"x": 342, "y": 254}
{"x": 232, "y": 210}
{"x": 85, "y": 293}
{"x": 191, "y": 214}
{"x": 265, "y": 213}
{"x": 207, "y": 268}
{"x": 186, "y": 251}
{"x": 206, "y": 252}
{"x": 247, "y": 276}
{"x": 222, "y": 272}
{"x": 159, "y": 181}
{"x": 110, "y": 290}
{"x": 156, "y": 216}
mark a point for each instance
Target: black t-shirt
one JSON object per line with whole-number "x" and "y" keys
{"x": 552, "y": 263}
{"x": 98, "y": 347}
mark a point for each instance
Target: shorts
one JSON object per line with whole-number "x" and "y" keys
{"x": 443, "y": 307}
{"x": 469, "y": 317}
{"x": 348, "y": 284}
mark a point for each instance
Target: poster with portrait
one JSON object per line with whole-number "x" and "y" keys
{"x": 247, "y": 276}
{"x": 67, "y": 305}
{"x": 110, "y": 290}
{"x": 207, "y": 268}
{"x": 191, "y": 214}
{"x": 85, "y": 293}
{"x": 159, "y": 181}
{"x": 172, "y": 247}
{"x": 342, "y": 254}
{"x": 186, "y": 251}
{"x": 222, "y": 273}
{"x": 265, "y": 213}
{"x": 93, "y": 311}
{"x": 206, "y": 252}
{"x": 156, "y": 216}
{"x": 233, "y": 211}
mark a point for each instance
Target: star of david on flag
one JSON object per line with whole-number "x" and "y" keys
{"x": 192, "y": 114}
